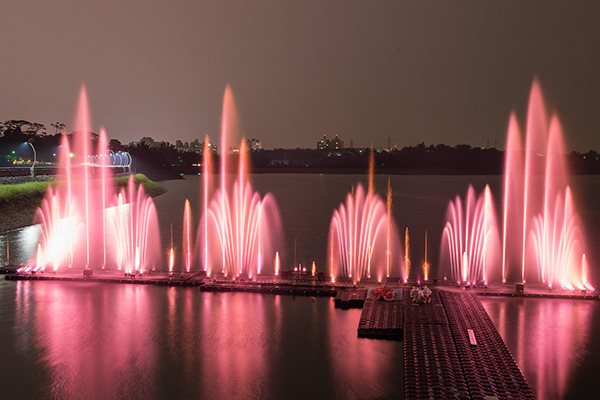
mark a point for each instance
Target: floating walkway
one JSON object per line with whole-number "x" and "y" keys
{"x": 432, "y": 367}
{"x": 381, "y": 319}
{"x": 452, "y": 349}
{"x": 279, "y": 287}
{"x": 272, "y": 288}
{"x": 353, "y": 298}
{"x": 129, "y": 280}
{"x": 489, "y": 367}
{"x": 564, "y": 296}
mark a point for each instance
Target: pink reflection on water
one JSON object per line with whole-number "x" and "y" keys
{"x": 80, "y": 363}
{"x": 548, "y": 338}
{"x": 360, "y": 366}
{"x": 238, "y": 330}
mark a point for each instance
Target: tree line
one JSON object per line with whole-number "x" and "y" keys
{"x": 165, "y": 159}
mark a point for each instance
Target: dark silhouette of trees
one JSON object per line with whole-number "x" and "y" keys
{"x": 58, "y": 126}
{"x": 115, "y": 145}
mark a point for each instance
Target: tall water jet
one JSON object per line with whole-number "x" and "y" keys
{"x": 388, "y": 253}
{"x": 206, "y": 182}
{"x": 187, "y": 235}
{"x": 406, "y": 255}
{"x": 78, "y": 213}
{"x": 240, "y": 229}
{"x": 470, "y": 241}
{"x": 425, "y": 263}
{"x": 171, "y": 253}
{"x": 83, "y": 146}
{"x": 277, "y": 263}
{"x": 535, "y": 146}
{"x": 550, "y": 231}
{"x": 331, "y": 259}
{"x": 513, "y": 191}
{"x": 107, "y": 188}
{"x": 72, "y": 214}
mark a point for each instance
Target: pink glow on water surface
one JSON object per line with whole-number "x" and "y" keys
{"x": 551, "y": 340}
{"x": 361, "y": 367}
{"x": 62, "y": 328}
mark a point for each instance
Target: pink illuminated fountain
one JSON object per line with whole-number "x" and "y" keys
{"x": 470, "y": 240}
{"x": 543, "y": 239}
{"x": 240, "y": 231}
{"x": 363, "y": 239}
{"x": 84, "y": 223}
{"x": 134, "y": 228}
{"x": 187, "y": 236}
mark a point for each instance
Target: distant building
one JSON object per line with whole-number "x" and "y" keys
{"x": 334, "y": 144}
{"x": 323, "y": 143}
{"x": 148, "y": 141}
{"x": 212, "y": 147}
{"x": 189, "y": 147}
{"x": 254, "y": 144}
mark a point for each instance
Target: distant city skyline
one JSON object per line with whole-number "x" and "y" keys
{"x": 433, "y": 72}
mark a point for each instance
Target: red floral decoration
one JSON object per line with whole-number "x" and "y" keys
{"x": 384, "y": 294}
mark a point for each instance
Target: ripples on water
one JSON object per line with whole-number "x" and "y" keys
{"x": 554, "y": 342}
{"x": 80, "y": 340}
{"x": 76, "y": 340}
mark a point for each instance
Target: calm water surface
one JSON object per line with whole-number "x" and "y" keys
{"x": 69, "y": 340}
{"x": 103, "y": 341}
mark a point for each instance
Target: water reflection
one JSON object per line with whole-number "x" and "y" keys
{"x": 97, "y": 341}
{"x": 550, "y": 339}
{"x": 362, "y": 368}
{"x": 94, "y": 345}
{"x": 238, "y": 340}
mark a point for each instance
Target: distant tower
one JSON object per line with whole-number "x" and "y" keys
{"x": 323, "y": 143}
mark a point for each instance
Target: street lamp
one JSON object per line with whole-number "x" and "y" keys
{"x": 34, "y": 157}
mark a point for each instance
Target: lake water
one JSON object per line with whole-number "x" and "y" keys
{"x": 70, "y": 340}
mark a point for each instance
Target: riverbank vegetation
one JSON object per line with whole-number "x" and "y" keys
{"x": 18, "y": 202}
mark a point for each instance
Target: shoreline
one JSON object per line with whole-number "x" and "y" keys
{"x": 18, "y": 204}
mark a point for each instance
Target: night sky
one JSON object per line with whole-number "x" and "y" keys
{"x": 414, "y": 71}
